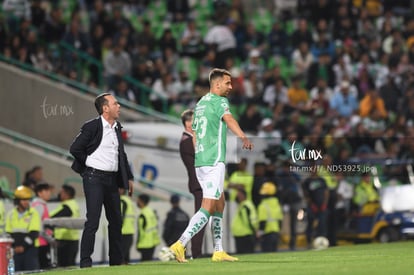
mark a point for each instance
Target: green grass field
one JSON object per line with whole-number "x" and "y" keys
{"x": 375, "y": 259}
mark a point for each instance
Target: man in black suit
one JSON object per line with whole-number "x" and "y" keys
{"x": 101, "y": 160}
{"x": 187, "y": 155}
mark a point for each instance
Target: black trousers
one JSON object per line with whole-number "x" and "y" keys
{"x": 146, "y": 253}
{"x": 197, "y": 240}
{"x": 101, "y": 189}
{"x": 66, "y": 252}
{"x": 245, "y": 244}
{"x": 126, "y": 246}
{"x": 44, "y": 257}
{"x": 269, "y": 242}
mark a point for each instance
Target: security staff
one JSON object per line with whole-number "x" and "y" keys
{"x": 332, "y": 184}
{"x": 68, "y": 239}
{"x": 23, "y": 224}
{"x": 2, "y": 212}
{"x": 176, "y": 221}
{"x": 128, "y": 213}
{"x": 270, "y": 215}
{"x": 148, "y": 237}
{"x": 244, "y": 224}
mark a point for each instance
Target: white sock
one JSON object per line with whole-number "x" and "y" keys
{"x": 197, "y": 222}
{"x": 217, "y": 230}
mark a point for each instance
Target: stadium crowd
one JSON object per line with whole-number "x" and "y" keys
{"x": 331, "y": 69}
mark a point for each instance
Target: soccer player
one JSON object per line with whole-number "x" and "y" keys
{"x": 211, "y": 119}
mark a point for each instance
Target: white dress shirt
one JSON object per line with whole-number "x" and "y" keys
{"x": 105, "y": 156}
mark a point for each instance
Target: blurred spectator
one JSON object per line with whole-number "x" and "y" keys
{"x": 146, "y": 36}
{"x": 116, "y": 65}
{"x": 15, "y": 11}
{"x": 192, "y": 44}
{"x": 183, "y": 88}
{"x": 339, "y": 147}
{"x": 318, "y": 106}
{"x": 344, "y": 27}
{"x": 163, "y": 92}
{"x": 255, "y": 64}
{"x": 301, "y": 34}
{"x": 321, "y": 9}
{"x": 40, "y": 59}
{"x": 38, "y": 13}
{"x": 201, "y": 84}
{"x": 33, "y": 177}
{"x": 343, "y": 102}
{"x": 321, "y": 69}
{"x": 254, "y": 39}
{"x": 269, "y": 135}
{"x": 178, "y": 10}
{"x": 117, "y": 22}
{"x": 237, "y": 11}
{"x": 297, "y": 96}
{"x": 323, "y": 44}
{"x": 364, "y": 82}
{"x": 321, "y": 86}
{"x": 375, "y": 125}
{"x": 382, "y": 71}
{"x": 123, "y": 91}
{"x": 167, "y": 40}
{"x": 54, "y": 28}
{"x": 302, "y": 58}
{"x": 250, "y": 119}
{"x": 175, "y": 223}
{"x": 222, "y": 41}
{"x": 78, "y": 40}
{"x": 278, "y": 41}
{"x": 391, "y": 94}
{"x": 98, "y": 15}
{"x": 342, "y": 68}
{"x": 253, "y": 87}
{"x": 372, "y": 101}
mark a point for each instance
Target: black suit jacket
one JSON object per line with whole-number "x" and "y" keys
{"x": 187, "y": 155}
{"x": 88, "y": 140}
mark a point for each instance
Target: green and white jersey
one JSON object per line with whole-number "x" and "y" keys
{"x": 210, "y": 130}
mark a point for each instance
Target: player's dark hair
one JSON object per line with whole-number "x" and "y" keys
{"x": 187, "y": 115}
{"x": 217, "y": 73}
{"x": 100, "y": 101}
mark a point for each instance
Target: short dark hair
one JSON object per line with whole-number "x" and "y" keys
{"x": 100, "y": 101}
{"x": 144, "y": 198}
{"x": 217, "y": 73}
{"x": 174, "y": 199}
{"x": 187, "y": 115}
{"x": 69, "y": 190}
{"x": 42, "y": 186}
